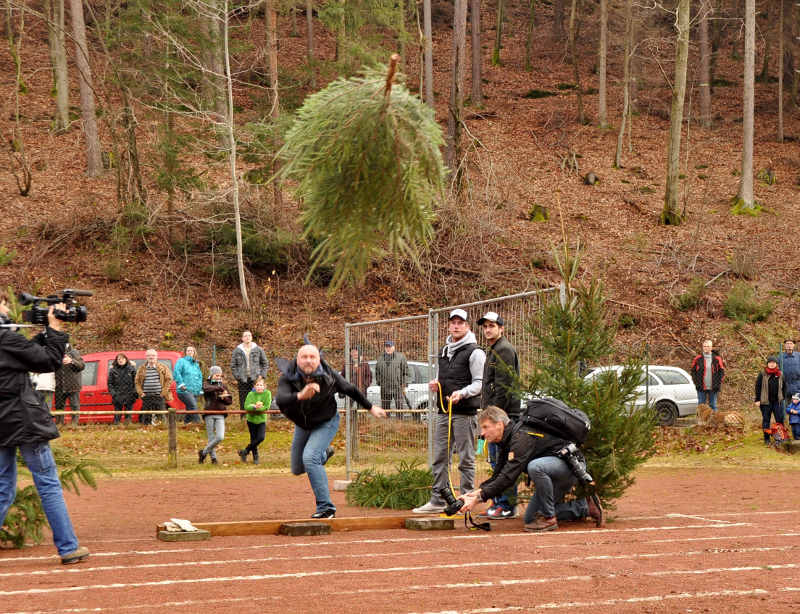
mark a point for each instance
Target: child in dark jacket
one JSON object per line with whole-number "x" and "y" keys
{"x": 793, "y": 409}
{"x": 218, "y": 398}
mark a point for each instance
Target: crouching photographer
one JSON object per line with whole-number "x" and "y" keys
{"x": 550, "y": 461}
{"x": 26, "y": 423}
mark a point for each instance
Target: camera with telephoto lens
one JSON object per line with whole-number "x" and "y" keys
{"x": 451, "y": 505}
{"x": 37, "y": 314}
{"x": 577, "y": 463}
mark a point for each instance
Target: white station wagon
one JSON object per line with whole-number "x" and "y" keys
{"x": 670, "y": 391}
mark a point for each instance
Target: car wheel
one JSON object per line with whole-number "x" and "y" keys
{"x": 667, "y": 413}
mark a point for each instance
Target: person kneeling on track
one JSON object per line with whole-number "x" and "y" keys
{"x": 524, "y": 448}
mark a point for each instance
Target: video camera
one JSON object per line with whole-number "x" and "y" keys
{"x": 38, "y": 313}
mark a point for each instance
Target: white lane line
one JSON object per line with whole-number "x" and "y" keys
{"x": 661, "y": 516}
{"x": 400, "y": 540}
{"x": 701, "y": 518}
{"x": 465, "y": 585}
{"x": 619, "y": 601}
{"x": 383, "y": 570}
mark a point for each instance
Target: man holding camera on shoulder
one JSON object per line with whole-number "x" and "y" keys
{"x": 26, "y": 423}
{"x": 542, "y": 455}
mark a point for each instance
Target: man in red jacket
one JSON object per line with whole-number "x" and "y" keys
{"x": 708, "y": 371}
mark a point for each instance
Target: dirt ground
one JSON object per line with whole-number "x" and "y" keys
{"x": 681, "y": 540}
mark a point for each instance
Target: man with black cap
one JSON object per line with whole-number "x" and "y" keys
{"x": 458, "y": 385}
{"x": 499, "y": 373}
{"x": 393, "y": 375}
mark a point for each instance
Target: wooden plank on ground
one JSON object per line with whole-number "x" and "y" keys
{"x": 272, "y": 527}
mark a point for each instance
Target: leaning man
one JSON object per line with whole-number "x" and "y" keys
{"x": 26, "y": 423}
{"x": 307, "y": 396}
{"x": 524, "y": 448}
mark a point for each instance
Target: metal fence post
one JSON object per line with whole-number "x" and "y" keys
{"x": 172, "y": 439}
{"x": 433, "y": 351}
{"x": 349, "y": 439}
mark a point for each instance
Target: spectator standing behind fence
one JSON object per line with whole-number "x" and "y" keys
{"x": 360, "y": 373}
{"x": 393, "y": 375}
{"x": 122, "y": 387}
{"x": 217, "y": 399}
{"x": 793, "y": 409}
{"x": 188, "y": 376}
{"x": 153, "y": 382}
{"x": 256, "y": 404}
{"x": 306, "y": 396}
{"x": 26, "y": 424}
{"x": 770, "y": 390}
{"x": 68, "y": 383}
{"x": 248, "y": 363}
{"x": 460, "y": 375}
{"x": 499, "y": 374}
{"x": 790, "y": 367}
{"x": 708, "y": 371}
{"x": 45, "y": 385}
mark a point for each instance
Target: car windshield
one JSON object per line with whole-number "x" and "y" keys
{"x": 670, "y": 378}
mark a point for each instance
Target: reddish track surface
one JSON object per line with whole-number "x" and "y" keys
{"x": 688, "y": 541}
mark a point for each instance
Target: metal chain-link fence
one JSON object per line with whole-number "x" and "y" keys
{"x": 400, "y": 384}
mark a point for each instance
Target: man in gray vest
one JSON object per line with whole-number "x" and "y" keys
{"x": 458, "y": 386}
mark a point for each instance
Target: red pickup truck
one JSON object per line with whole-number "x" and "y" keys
{"x": 94, "y": 390}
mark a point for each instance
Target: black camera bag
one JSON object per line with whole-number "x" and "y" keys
{"x": 557, "y": 418}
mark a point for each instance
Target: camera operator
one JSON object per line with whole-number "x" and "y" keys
{"x": 26, "y": 423}
{"x": 524, "y": 448}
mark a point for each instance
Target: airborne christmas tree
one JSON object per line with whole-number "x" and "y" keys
{"x": 365, "y": 156}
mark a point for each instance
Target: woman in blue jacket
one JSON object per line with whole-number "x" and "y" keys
{"x": 188, "y": 378}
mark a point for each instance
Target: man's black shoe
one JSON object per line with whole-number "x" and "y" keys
{"x": 330, "y": 451}
{"x": 325, "y": 514}
{"x": 201, "y": 457}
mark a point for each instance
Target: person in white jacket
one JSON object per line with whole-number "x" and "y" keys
{"x": 45, "y": 385}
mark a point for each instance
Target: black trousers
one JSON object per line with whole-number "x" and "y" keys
{"x": 150, "y": 402}
{"x": 257, "y": 434}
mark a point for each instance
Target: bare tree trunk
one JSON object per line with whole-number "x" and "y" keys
{"x": 271, "y": 15}
{"x": 602, "y": 113}
{"x": 670, "y": 214}
{"x": 626, "y": 80}
{"x": 558, "y": 19}
{"x": 745, "y": 200}
{"x": 529, "y": 36}
{"x": 456, "y": 106}
{"x": 310, "y": 41}
{"x": 54, "y": 12}
{"x": 232, "y": 156}
{"x": 426, "y": 24}
{"x": 573, "y": 20}
{"x": 135, "y": 191}
{"x": 94, "y": 161}
{"x": 477, "y": 87}
{"x": 780, "y": 73}
{"x": 215, "y": 24}
{"x": 706, "y": 10}
{"x": 498, "y": 33}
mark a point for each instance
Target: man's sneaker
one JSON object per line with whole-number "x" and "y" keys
{"x": 330, "y": 451}
{"x": 214, "y": 460}
{"x": 596, "y": 512}
{"x": 81, "y": 554}
{"x": 243, "y": 455}
{"x": 542, "y": 524}
{"x": 497, "y": 512}
{"x": 201, "y": 457}
{"x": 325, "y": 514}
{"x": 429, "y": 508}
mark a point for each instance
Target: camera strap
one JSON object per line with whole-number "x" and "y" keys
{"x": 471, "y": 524}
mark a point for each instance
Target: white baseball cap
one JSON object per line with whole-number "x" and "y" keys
{"x": 458, "y": 313}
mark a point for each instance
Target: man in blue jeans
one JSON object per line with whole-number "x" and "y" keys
{"x": 306, "y": 396}
{"x": 26, "y": 423}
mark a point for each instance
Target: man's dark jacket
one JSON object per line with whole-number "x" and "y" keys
{"x": 23, "y": 417}
{"x": 320, "y": 408}
{"x": 717, "y": 371}
{"x": 68, "y": 377}
{"x": 520, "y": 445}
{"x": 122, "y": 381}
{"x": 498, "y": 382}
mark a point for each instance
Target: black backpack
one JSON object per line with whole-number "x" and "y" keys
{"x": 556, "y": 418}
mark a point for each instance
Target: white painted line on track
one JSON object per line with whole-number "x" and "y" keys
{"x": 619, "y": 601}
{"x": 401, "y": 540}
{"x": 383, "y": 570}
{"x": 701, "y": 518}
{"x": 661, "y": 516}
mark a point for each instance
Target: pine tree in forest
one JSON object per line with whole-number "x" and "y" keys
{"x": 572, "y": 334}
{"x": 366, "y": 159}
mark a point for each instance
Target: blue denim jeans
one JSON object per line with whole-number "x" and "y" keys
{"x": 190, "y": 400}
{"x": 215, "y": 430}
{"x": 503, "y": 500}
{"x": 711, "y": 397}
{"x": 552, "y": 479}
{"x": 309, "y": 456}
{"x": 42, "y": 466}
